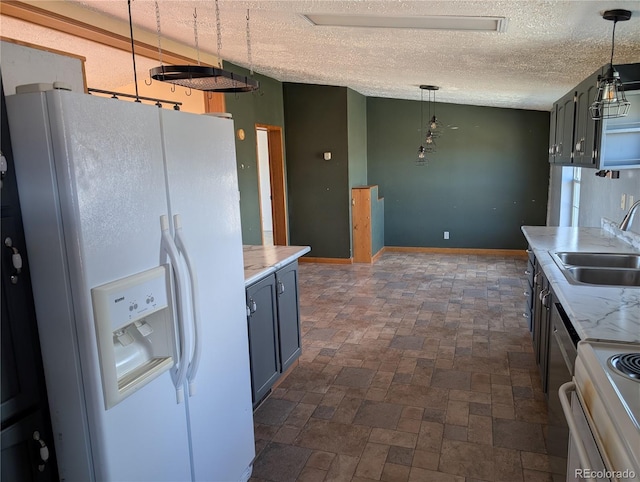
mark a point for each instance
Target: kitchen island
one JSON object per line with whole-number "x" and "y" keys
{"x": 260, "y": 261}
{"x": 596, "y": 312}
{"x": 273, "y": 314}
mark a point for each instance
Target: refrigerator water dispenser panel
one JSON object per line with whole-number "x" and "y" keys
{"x": 135, "y": 332}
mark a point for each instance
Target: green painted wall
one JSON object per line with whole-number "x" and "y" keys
{"x": 357, "y": 144}
{"x": 377, "y": 221}
{"x": 264, "y": 106}
{"x": 488, "y": 177}
{"x": 357, "y": 138}
{"x": 319, "y": 191}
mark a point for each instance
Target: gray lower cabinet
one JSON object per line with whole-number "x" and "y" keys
{"x": 274, "y": 328}
{"x": 540, "y": 331}
{"x": 262, "y": 317}
{"x": 288, "y": 314}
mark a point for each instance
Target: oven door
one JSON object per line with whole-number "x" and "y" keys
{"x": 585, "y": 463}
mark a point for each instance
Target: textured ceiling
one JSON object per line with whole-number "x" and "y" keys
{"x": 548, "y": 47}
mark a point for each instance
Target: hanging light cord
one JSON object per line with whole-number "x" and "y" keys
{"x": 421, "y": 113}
{"x": 613, "y": 41}
{"x": 133, "y": 55}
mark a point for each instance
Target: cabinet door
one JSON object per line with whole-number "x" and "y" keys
{"x": 288, "y": 314}
{"x": 24, "y": 407}
{"x": 584, "y": 132}
{"x": 552, "y": 133}
{"x": 263, "y": 336}
{"x": 23, "y": 456}
{"x": 545, "y": 304}
{"x": 564, "y": 128}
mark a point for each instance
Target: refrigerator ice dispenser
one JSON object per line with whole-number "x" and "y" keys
{"x": 135, "y": 332}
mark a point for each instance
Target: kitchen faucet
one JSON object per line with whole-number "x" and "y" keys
{"x": 624, "y": 225}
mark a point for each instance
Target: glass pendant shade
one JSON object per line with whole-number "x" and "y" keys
{"x": 610, "y": 101}
{"x": 421, "y": 152}
{"x": 429, "y": 138}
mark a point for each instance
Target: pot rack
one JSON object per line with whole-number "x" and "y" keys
{"x": 200, "y": 77}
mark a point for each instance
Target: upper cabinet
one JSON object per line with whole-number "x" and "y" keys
{"x": 577, "y": 140}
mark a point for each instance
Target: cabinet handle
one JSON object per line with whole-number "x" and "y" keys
{"x": 527, "y": 272}
{"x": 43, "y": 451}
{"x": 252, "y": 306}
{"x": 545, "y": 299}
{"x": 536, "y": 278}
{"x": 559, "y": 149}
{"x": 526, "y": 293}
{"x": 542, "y": 294}
{"x": 16, "y": 260}
{"x": 280, "y": 287}
{"x": 526, "y": 315}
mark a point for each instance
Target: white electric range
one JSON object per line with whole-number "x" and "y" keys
{"x": 604, "y": 413}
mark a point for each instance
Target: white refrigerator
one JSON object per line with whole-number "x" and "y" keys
{"x": 132, "y": 224}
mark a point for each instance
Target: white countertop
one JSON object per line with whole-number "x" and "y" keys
{"x": 260, "y": 261}
{"x": 597, "y": 312}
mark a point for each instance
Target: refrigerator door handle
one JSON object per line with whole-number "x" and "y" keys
{"x": 195, "y": 360}
{"x": 179, "y": 375}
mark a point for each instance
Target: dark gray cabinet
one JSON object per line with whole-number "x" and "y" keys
{"x": 565, "y": 113}
{"x": 262, "y": 317}
{"x": 530, "y": 290}
{"x": 575, "y": 139}
{"x": 540, "y": 331}
{"x": 288, "y": 315}
{"x": 27, "y": 439}
{"x": 273, "y": 316}
{"x": 585, "y": 128}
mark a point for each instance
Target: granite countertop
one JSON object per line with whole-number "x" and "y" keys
{"x": 260, "y": 261}
{"x": 597, "y": 312}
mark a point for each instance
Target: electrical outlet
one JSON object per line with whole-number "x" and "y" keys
{"x": 623, "y": 201}
{"x": 446, "y": 235}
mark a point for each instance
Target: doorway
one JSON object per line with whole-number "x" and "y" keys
{"x": 271, "y": 185}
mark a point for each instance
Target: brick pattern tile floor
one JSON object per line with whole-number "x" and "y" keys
{"x": 417, "y": 368}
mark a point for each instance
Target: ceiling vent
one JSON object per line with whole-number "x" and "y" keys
{"x": 430, "y": 22}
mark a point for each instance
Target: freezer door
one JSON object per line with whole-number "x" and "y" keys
{"x": 91, "y": 178}
{"x": 203, "y": 191}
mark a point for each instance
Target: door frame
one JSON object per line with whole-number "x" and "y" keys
{"x": 278, "y": 183}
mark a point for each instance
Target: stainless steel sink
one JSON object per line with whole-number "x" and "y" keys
{"x": 605, "y": 276}
{"x": 603, "y": 269}
{"x": 604, "y": 260}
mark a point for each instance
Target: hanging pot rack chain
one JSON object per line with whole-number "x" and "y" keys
{"x": 218, "y": 34}
{"x": 159, "y": 32}
{"x": 195, "y": 33}
{"x": 249, "y": 59}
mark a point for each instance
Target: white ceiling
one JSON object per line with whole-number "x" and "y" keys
{"x": 548, "y": 47}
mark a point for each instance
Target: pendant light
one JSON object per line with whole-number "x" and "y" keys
{"x": 429, "y": 140}
{"x": 421, "y": 161}
{"x": 434, "y": 122}
{"x": 208, "y": 79}
{"x": 610, "y": 100}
